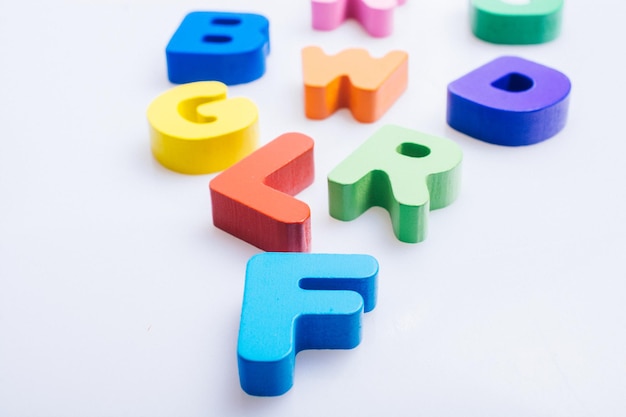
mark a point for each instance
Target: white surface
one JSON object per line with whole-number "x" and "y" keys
{"x": 118, "y": 297}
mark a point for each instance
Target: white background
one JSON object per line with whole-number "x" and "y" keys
{"x": 118, "y": 297}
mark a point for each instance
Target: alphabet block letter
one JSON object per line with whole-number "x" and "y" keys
{"x": 376, "y": 16}
{"x": 195, "y": 129}
{"x": 226, "y": 47}
{"x": 530, "y": 22}
{"x": 353, "y": 79}
{"x": 405, "y": 172}
{"x": 297, "y": 301}
{"x": 253, "y": 201}
{"x": 509, "y": 101}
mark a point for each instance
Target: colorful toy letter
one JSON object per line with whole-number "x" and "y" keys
{"x": 226, "y": 47}
{"x": 195, "y": 129}
{"x": 253, "y": 201}
{"x": 376, "y": 16}
{"x": 298, "y": 301}
{"x": 404, "y": 171}
{"x": 509, "y": 101}
{"x": 353, "y": 79}
{"x": 497, "y": 21}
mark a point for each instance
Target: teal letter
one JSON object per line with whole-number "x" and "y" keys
{"x": 497, "y": 21}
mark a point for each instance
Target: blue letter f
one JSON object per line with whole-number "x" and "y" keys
{"x": 282, "y": 316}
